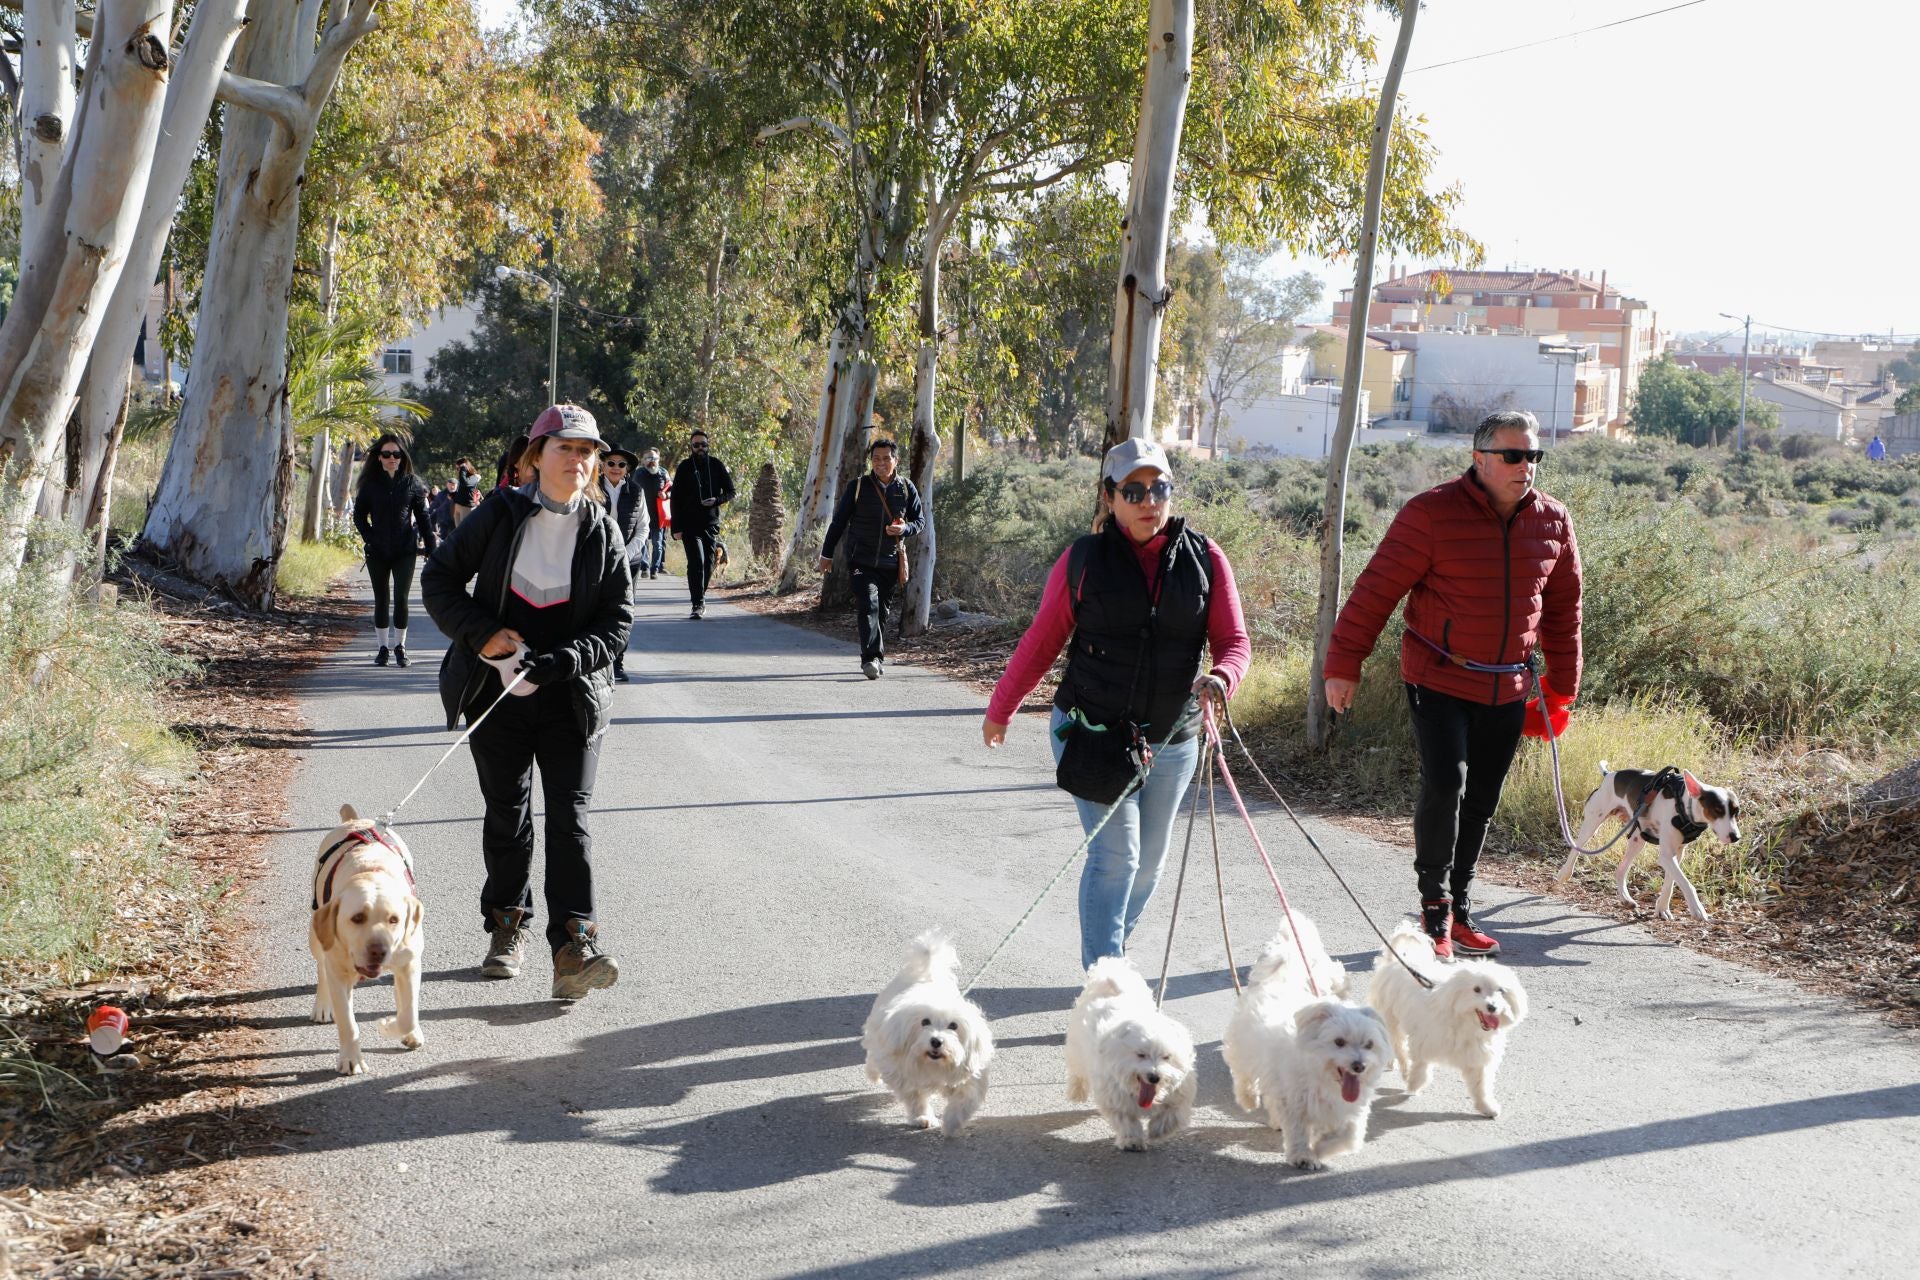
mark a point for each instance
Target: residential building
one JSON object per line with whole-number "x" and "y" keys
{"x": 1386, "y": 371}
{"x": 1901, "y": 434}
{"x": 1463, "y": 377}
{"x": 406, "y": 359}
{"x": 1804, "y": 410}
{"x": 1581, "y": 311}
{"x": 1863, "y": 361}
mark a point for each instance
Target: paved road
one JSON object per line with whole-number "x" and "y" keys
{"x": 772, "y": 829}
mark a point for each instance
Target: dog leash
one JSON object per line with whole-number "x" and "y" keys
{"x": 1234, "y": 729}
{"x": 1138, "y": 780}
{"x": 385, "y": 821}
{"x": 1205, "y": 770}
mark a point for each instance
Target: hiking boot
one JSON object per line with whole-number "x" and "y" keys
{"x": 380, "y": 658}
{"x": 400, "y": 658}
{"x": 619, "y": 673}
{"x": 1436, "y": 920}
{"x": 1468, "y": 940}
{"x": 506, "y": 943}
{"x": 580, "y": 966}
{"x": 870, "y": 669}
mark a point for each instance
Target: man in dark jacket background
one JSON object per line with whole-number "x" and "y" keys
{"x": 701, "y": 486}
{"x": 1491, "y": 573}
{"x": 874, "y": 513}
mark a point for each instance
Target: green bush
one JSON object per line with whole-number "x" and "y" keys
{"x": 84, "y": 751}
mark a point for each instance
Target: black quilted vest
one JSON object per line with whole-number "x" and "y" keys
{"x": 1130, "y": 658}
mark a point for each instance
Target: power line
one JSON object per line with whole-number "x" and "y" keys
{"x": 1534, "y": 44}
{"x": 1855, "y": 336}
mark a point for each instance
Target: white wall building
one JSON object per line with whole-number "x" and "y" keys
{"x": 1461, "y": 377}
{"x": 406, "y": 359}
{"x": 1803, "y": 410}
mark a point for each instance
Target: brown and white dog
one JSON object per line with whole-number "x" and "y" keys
{"x": 366, "y": 922}
{"x": 1673, "y": 816}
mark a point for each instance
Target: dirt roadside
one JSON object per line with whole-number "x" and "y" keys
{"x": 1837, "y": 917}
{"x": 155, "y": 1170}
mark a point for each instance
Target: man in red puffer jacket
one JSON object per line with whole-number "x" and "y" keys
{"x": 1491, "y": 573}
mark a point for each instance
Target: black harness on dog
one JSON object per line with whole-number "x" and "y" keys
{"x": 1672, "y": 784}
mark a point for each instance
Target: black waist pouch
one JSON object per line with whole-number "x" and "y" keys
{"x": 1099, "y": 761}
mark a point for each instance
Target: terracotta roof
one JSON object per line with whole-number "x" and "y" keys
{"x": 1500, "y": 282}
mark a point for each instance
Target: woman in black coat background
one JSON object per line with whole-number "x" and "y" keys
{"x": 390, "y": 511}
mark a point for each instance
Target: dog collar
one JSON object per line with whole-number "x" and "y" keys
{"x": 357, "y": 836}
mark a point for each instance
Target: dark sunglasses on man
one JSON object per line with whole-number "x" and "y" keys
{"x": 1513, "y": 457}
{"x": 699, "y": 446}
{"x": 1134, "y": 493}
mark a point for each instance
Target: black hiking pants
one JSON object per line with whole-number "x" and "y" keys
{"x": 392, "y": 584}
{"x": 872, "y": 598}
{"x": 1465, "y": 751}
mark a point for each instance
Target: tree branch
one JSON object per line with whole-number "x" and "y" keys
{"x": 1045, "y": 180}
{"x": 793, "y": 125}
{"x": 284, "y": 106}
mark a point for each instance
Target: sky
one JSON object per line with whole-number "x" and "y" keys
{"x": 1740, "y": 156}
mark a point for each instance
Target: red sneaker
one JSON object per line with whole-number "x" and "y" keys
{"x": 1436, "y": 915}
{"x": 1470, "y": 941}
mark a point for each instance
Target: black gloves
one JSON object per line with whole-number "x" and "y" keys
{"x": 551, "y": 668}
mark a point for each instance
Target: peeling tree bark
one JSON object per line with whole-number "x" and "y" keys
{"x": 1143, "y": 292}
{"x": 222, "y": 509}
{"x": 71, "y": 269}
{"x": 47, "y": 103}
{"x": 815, "y": 497}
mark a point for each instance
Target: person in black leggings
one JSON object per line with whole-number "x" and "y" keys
{"x": 390, "y": 511}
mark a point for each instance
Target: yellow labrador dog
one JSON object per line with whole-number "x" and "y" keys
{"x": 366, "y": 922}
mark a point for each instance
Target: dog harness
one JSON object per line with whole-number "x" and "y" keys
{"x": 323, "y": 889}
{"x": 1670, "y": 783}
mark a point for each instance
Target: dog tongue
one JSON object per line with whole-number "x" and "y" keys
{"x": 1488, "y": 1021}
{"x": 1146, "y": 1094}
{"x": 1349, "y": 1086}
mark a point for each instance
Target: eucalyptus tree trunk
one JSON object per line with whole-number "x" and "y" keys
{"x": 815, "y": 498}
{"x": 221, "y": 512}
{"x": 313, "y": 524}
{"x": 917, "y": 608}
{"x": 1143, "y": 292}
{"x": 69, "y": 271}
{"x": 191, "y": 88}
{"x": 46, "y": 116}
{"x": 1333, "y": 527}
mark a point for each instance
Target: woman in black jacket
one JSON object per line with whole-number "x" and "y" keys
{"x": 536, "y": 580}
{"x": 390, "y": 511}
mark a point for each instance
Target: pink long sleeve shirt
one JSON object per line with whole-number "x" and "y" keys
{"x": 1053, "y": 624}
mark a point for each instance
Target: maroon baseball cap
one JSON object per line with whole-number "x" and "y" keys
{"x": 565, "y": 422}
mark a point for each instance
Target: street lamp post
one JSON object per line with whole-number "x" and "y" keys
{"x": 1746, "y": 345}
{"x": 553, "y": 339}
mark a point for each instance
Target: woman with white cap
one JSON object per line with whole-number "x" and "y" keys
{"x": 1139, "y": 600}
{"x": 551, "y": 588}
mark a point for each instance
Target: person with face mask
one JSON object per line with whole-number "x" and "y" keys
{"x": 875, "y": 513}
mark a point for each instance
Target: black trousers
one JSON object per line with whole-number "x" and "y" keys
{"x": 1465, "y": 751}
{"x": 392, "y": 584}
{"x": 872, "y": 598}
{"x": 699, "y": 548}
{"x": 518, "y": 735}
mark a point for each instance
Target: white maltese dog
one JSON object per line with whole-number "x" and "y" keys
{"x": 1133, "y": 1062}
{"x": 1462, "y": 1023}
{"x": 1311, "y": 1062}
{"x": 924, "y": 1040}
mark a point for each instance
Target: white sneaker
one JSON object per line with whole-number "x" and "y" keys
{"x": 870, "y": 669}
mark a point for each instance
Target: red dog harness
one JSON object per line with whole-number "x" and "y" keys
{"x": 359, "y": 835}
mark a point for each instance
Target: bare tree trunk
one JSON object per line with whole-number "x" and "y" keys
{"x": 313, "y": 523}
{"x": 710, "y": 336}
{"x": 815, "y": 496}
{"x": 917, "y": 609}
{"x": 70, "y": 271}
{"x": 191, "y": 87}
{"x": 342, "y": 481}
{"x": 856, "y": 413}
{"x": 46, "y": 121}
{"x": 1333, "y": 527}
{"x": 222, "y": 509}
{"x": 1143, "y": 291}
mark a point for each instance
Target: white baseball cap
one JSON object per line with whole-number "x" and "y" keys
{"x": 1129, "y": 456}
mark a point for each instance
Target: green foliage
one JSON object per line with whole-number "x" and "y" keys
{"x": 1909, "y": 401}
{"x": 333, "y": 383}
{"x": 83, "y": 750}
{"x": 310, "y": 568}
{"x": 1694, "y": 407}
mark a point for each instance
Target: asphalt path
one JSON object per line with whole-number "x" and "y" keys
{"x": 771, "y": 829}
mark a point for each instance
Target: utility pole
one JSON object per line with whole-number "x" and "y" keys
{"x": 1746, "y": 345}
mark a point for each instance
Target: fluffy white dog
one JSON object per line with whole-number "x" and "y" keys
{"x": 926, "y": 1041}
{"x": 1462, "y": 1023}
{"x": 1133, "y": 1062}
{"x": 1311, "y": 1062}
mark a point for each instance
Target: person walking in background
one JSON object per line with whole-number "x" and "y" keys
{"x": 1491, "y": 574}
{"x": 701, "y": 486}
{"x": 548, "y": 574}
{"x": 508, "y": 472}
{"x": 390, "y": 511}
{"x": 440, "y": 510}
{"x": 659, "y": 487}
{"x": 1877, "y": 451}
{"x": 626, "y": 500}
{"x": 466, "y": 490}
{"x": 1139, "y": 600}
{"x": 875, "y": 512}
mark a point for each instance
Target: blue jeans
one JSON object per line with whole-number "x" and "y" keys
{"x": 656, "y": 557}
{"x": 1124, "y": 861}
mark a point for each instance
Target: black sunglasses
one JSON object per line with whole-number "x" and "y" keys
{"x": 699, "y": 446}
{"x": 391, "y": 453}
{"x": 1137, "y": 493}
{"x": 616, "y": 462}
{"x": 1514, "y": 456}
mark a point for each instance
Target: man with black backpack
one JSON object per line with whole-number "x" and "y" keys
{"x": 875, "y": 513}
